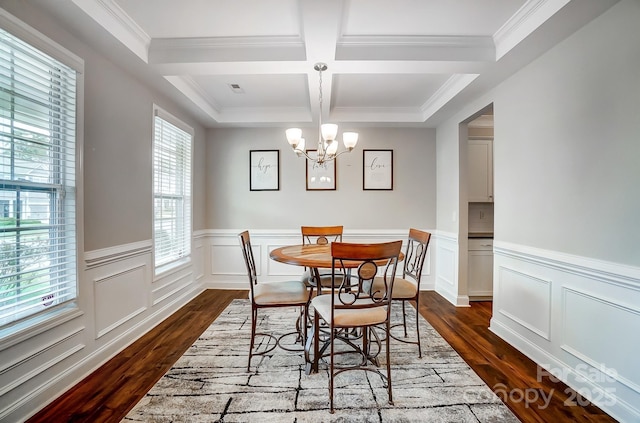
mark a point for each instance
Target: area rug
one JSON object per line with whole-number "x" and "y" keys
{"x": 209, "y": 383}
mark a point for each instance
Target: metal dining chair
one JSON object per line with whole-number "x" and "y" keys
{"x": 407, "y": 288}
{"x": 270, "y": 295}
{"x": 320, "y": 235}
{"x": 354, "y": 308}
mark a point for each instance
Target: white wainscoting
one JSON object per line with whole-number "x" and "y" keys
{"x": 226, "y": 269}
{"x": 446, "y": 281}
{"x": 578, "y": 318}
{"x": 118, "y": 301}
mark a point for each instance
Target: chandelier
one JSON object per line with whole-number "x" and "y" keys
{"x": 327, "y": 148}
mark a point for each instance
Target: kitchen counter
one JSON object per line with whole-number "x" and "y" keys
{"x": 481, "y": 235}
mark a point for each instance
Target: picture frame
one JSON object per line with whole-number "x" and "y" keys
{"x": 377, "y": 170}
{"x": 320, "y": 177}
{"x": 264, "y": 170}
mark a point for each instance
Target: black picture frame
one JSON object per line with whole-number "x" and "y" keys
{"x": 264, "y": 170}
{"x": 377, "y": 170}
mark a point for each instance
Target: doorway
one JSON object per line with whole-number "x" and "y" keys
{"x": 479, "y": 203}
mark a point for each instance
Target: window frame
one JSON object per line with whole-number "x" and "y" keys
{"x": 185, "y": 259}
{"x": 33, "y": 324}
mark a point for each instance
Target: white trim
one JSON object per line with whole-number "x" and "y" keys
{"x": 115, "y": 20}
{"x": 616, "y": 273}
{"x": 164, "y": 115}
{"x": 524, "y": 22}
{"x": 452, "y": 87}
{"x": 113, "y": 254}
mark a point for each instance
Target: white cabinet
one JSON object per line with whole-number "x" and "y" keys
{"x": 480, "y": 275}
{"x": 480, "y": 178}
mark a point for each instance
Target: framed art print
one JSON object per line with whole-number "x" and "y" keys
{"x": 264, "y": 170}
{"x": 377, "y": 170}
{"x": 320, "y": 176}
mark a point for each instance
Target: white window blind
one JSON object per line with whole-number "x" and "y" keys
{"x": 172, "y": 192}
{"x": 37, "y": 181}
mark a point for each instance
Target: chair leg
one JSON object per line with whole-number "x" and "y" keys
{"x": 404, "y": 318}
{"x": 332, "y": 339}
{"x": 254, "y": 318}
{"x": 418, "y": 326}
{"x": 388, "y": 337}
{"x": 316, "y": 341}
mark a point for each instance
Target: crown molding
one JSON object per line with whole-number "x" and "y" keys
{"x": 525, "y": 21}
{"x": 115, "y": 20}
{"x": 446, "y": 92}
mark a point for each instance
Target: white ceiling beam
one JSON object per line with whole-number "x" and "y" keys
{"x": 225, "y": 49}
{"x": 408, "y": 48}
{"x": 320, "y": 25}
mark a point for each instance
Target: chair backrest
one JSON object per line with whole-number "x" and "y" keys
{"x": 247, "y": 253}
{"x": 374, "y": 260}
{"x": 416, "y": 252}
{"x": 321, "y": 234}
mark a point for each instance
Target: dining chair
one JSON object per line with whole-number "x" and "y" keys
{"x": 351, "y": 308}
{"x": 320, "y": 235}
{"x": 270, "y": 295}
{"x": 407, "y": 288}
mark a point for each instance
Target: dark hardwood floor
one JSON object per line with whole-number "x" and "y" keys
{"x": 111, "y": 391}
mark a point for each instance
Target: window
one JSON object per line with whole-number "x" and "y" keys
{"x": 37, "y": 179}
{"x": 172, "y": 191}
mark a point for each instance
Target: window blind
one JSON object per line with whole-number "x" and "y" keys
{"x": 172, "y": 192}
{"x": 37, "y": 181}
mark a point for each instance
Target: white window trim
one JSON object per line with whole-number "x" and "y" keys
{"x": 176, "y": 265}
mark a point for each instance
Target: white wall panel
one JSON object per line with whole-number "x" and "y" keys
{"x": 228, "y": 260}
{"x": 576, "y": 317}
{"x": 446, "y": 269}
{"x": 171, "y": 284}
{"x": 275, "y": 268}
{"x": 198, "y": 260}
{"x": 591, "y": 332}
{"x": 118, "y": 298}
{"x": 21, "y": 368}
{"x": 525, "y": 299}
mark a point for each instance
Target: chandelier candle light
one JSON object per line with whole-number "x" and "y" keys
{"x": 327, "y": 149}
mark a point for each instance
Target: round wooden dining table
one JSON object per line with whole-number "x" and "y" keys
{"x": 310, "y": 255}
{"x": 313, "y": 256}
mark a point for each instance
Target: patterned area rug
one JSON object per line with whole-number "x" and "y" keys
{"x": 209, "y": 383}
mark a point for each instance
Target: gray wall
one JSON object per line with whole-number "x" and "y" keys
{"x": 230, "y": 204}
{"x": 567, "y": 146}
{"x": 118, "y": 143}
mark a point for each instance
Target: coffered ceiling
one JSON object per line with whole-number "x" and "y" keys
{"x": 251, "y": 62}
